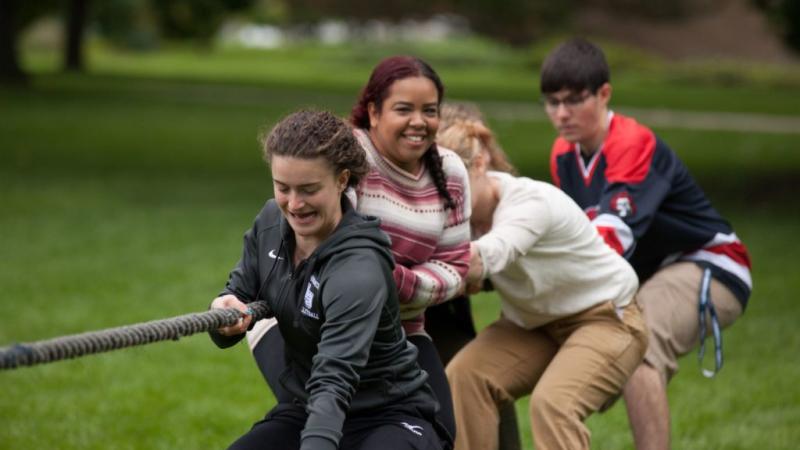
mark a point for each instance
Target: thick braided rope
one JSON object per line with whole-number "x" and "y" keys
{"x": 76, "y": 345}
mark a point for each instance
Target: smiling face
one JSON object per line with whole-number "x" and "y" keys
{"x": 405, "y": 126}
{"x": 308, "y": 193}
{"x": 580, "y": 117}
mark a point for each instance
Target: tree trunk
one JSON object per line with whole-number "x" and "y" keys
{"x": 76, "y": 22}
{"x": 10, "y": 69}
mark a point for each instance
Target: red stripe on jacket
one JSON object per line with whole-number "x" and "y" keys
{"x": 609, "y": 234}
{"x": 735, "y": 251}
{"x": 628, "y": 151}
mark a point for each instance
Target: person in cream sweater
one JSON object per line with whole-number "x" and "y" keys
{"x": 570, "y": 333}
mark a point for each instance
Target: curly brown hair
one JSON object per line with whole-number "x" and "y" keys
{"x": 310, "y": 134}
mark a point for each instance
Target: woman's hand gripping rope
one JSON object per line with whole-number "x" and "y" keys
{"x": 230, "y": 301}
{"x": 73, "y": 346}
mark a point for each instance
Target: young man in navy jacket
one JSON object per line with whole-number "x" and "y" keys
{"x": 647, "y": 207}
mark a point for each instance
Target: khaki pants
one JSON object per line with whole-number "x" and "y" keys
{"x": 669, "y": 302}
{"x": 571, "y": 367}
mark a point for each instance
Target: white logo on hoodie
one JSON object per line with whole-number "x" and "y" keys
{"x": 308, "y": 299}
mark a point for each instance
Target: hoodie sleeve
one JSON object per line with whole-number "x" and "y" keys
{"x": 354, "y": 292}
{"x": 242, "y": 282}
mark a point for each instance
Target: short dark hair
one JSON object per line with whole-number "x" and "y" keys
{"x": 310, "y": 134}
{"x": 576, "y": 64}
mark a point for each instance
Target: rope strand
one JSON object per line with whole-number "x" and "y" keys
{"x": 66, "y": 347}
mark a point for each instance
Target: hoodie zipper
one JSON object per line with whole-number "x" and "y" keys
{"x": 280, "y": 300}
{"x": 299, "y": 269}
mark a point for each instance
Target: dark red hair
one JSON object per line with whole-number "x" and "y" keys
{"x": 383, "y": 76}
{"x": 388, "y": 71}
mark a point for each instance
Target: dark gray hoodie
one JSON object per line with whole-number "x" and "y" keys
{"x": 338, "y": 313}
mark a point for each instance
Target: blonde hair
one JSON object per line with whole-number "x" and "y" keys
{"x": 465, "y": 138}
{"x": 452, "y": 111}
{"x": 463, "y": 130}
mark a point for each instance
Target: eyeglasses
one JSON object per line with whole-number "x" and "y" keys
{"x": 570, "y": 102}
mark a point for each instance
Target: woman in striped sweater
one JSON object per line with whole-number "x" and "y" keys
{"x": 420, "y": 193}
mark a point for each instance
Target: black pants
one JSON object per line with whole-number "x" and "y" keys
{"x": 428, "y": 360}
{"x": 449, "y": 324}
{"x": 387, "y": 429}
{"x": 269, "y": 355}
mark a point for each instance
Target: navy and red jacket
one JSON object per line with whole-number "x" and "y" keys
{"x": 647, "y": 206}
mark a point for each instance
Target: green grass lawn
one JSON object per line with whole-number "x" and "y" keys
{"x": 125, "y": 194}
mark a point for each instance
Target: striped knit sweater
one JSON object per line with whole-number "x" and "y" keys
{"x": 430, "y": 244}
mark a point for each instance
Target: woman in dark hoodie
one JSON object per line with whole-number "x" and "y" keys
{"x": 420, "y": 193}
{"x": 326, "y": 274}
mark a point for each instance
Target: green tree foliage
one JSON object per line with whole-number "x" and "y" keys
{"x": 140, "y": 24}
{"x": 515, "y": 21}
{"x": 15, "y": 15}
{"x": 127, "y": 23}
{"x": 512, "y": 21}
{"x": 193, "y": 19}
{"x": 786, "y": 15}
{"x": 653, "y": 9}
{"x": 131, "y": 23}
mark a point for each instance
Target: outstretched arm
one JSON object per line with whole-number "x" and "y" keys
{"x": 441, "y": 276}
{"x": 353, "y": 296}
